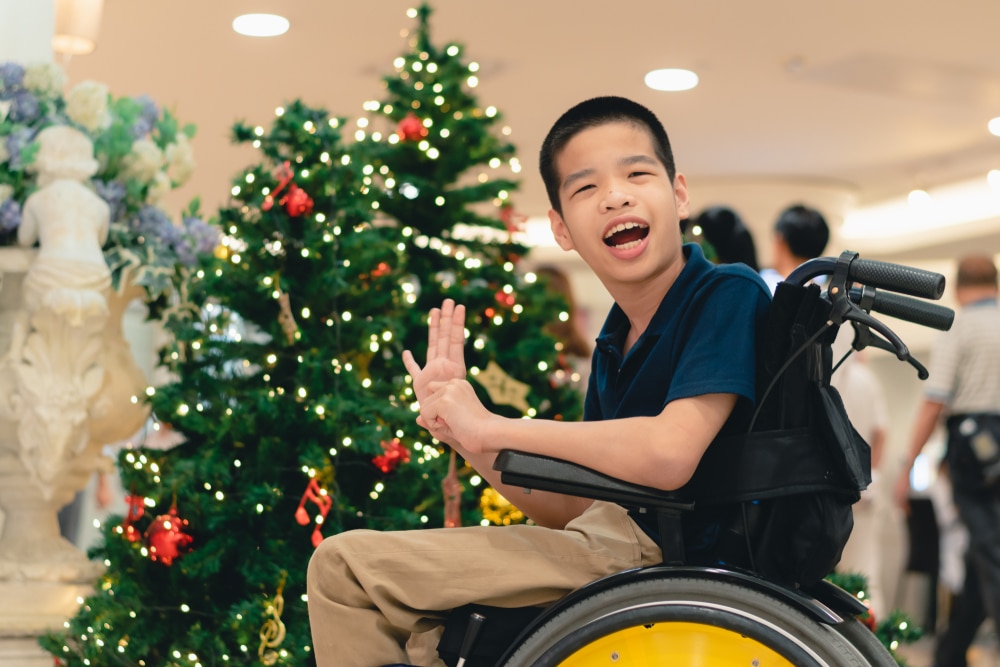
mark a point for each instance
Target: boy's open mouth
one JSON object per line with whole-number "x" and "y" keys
{"x": 626, "y": 235}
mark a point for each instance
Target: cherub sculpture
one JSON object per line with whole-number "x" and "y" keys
{"x": 70, "y": 223}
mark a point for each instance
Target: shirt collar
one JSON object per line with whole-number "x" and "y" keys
{"x": 616, "y": 326}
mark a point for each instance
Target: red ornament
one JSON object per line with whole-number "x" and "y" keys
{"x": 284, "y": 175}
{"x": 512, "y": 220}
{"x": 411, "y": 128}
{"x": 383, "y": 269}
{"x": 297, "y": 202}
{"x": 395, "y": 453}
{"x": 505, "y": 299}
{"x": 136, "y": 508}
{"x": 317, "y": 495}
{"x": 166, "y": 537}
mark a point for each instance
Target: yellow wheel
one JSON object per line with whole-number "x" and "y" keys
{"x": 694, "y": 622}
{"x": 676, "y": 643}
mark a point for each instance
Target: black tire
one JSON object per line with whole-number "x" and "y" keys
{"x": 764, "y": 619}
{"x": 863, "y": 639}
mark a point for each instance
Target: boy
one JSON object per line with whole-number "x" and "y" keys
{"x": 673, "y": 368}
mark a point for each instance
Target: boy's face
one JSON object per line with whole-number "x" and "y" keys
{"x": 620, "y": 211}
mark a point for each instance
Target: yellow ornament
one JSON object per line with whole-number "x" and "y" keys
{"x": 502, "y": 388}
{"x": 498, "y": 510}
{"x": 272, "y": 633}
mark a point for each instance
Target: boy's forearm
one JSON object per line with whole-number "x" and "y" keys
{"x": 660, "y": 452}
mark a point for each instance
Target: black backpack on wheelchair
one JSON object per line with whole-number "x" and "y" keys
{"x": 792, "y": 479}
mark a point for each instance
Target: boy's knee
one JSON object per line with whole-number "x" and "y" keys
{"x": 328, "y": 560}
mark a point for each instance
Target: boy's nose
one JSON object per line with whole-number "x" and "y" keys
{"x": 615, "y": 198}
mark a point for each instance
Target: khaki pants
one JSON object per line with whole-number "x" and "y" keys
{"x": 370, "y": 591}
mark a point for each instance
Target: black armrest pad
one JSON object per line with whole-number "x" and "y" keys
{"x": 548, "y": 474}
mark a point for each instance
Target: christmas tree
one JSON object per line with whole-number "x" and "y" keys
{"x": 288, "y": 389}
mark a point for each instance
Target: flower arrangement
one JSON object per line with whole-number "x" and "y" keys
{"x": 143, "y": 154}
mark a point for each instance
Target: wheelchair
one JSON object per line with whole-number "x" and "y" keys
{"x": 681, "y": 614}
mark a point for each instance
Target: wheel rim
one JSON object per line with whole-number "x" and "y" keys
{"x": 676, "y": 643}
{"x": 684, "y": 634}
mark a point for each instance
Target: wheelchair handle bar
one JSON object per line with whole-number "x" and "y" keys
{"x": 897, "y": 278}
{"x": 875, "y": 273}
{"x": 903, "y": 307}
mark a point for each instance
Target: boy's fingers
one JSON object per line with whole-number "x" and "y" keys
{"x": 456, "y": 351}
{"x": 445, "y": 334}
{"x": 412, "y": 367}
{"x": 433, "y": 324}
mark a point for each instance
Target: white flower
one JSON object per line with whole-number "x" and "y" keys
{"x": 180, "y": 160}
{"x": 6, "y": 192}
{"x": 45, "y": 80}
{"x": 159, "y": 188}
{"x": 87, "y": 105}
{"x": 143, "y": 162}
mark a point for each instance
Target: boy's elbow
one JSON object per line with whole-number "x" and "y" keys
{"x": 670, "y": 471}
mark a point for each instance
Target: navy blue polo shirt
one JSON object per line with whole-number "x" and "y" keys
{"x": 701, "y": 340}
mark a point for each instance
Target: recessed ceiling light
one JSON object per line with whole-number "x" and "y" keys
{"x": 994, "y": 126}
{"x": 671, "y": 79}
{"x": 260, "y": 25}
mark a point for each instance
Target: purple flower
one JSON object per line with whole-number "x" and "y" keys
{"x": 113, "y": 193}
{"x": 10, "y": 216}
{"x": 11, "y": 74}
{"x": 25, "y": 107}
{"x": 199, "y": 238}
{"x": 16, "y": 142}
{"x": 156, "y": 225}
{"x": 148, "y": 115}
{"x": 204, "y": 235}
{"x": 185, "y": 253}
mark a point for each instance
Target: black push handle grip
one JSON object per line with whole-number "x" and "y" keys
{"x": 898, "y": 278}
{"x": 911, "y": 310}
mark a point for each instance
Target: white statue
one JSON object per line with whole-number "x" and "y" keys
{"x": 70, "y": 222}
{"x": 56, "y": 345}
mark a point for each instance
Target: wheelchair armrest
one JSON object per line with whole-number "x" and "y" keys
{"x": 544, "y": 473}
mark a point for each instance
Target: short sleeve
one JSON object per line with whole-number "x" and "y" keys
{"x": 718, "y": 353}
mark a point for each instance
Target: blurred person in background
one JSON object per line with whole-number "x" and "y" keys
{"x": 964, "y": 389}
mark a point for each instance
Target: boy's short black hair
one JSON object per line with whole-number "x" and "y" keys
{"x": 591, "y": 113}
{"x": 804, "y": 229}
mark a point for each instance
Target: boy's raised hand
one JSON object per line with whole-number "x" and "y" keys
{"x": 445, "y": 350}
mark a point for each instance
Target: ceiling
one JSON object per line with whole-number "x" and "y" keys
{"x": 878, "y": 96}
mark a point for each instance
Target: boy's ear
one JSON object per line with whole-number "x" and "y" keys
{"x": 559, "y": 230}
{"x": 681, "y": 196}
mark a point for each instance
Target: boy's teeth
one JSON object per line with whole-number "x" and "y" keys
{"x": 621, "y": 227}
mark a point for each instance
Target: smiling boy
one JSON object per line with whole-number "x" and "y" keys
{"x": 673, "y": 368}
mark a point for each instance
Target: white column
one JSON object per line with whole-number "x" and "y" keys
{"x": 26, "y": 28}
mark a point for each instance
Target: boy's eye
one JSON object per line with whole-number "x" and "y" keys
{"x": 585, "y": 187}
{"x": 639, "y": 173}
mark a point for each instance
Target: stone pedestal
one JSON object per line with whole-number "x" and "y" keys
{"x": 67, "y": 381}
